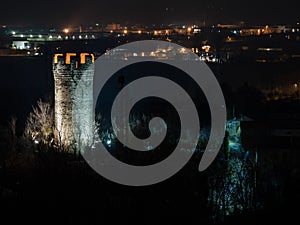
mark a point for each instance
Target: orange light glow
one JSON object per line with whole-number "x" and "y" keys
{"x": 83, "y": 57}
{"x": 206, "y": 48}
{"x": 56, "y": 58}
{"x": 66, "y": 30}
{"x": 68, "y": 57}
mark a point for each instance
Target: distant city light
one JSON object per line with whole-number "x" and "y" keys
{"x": 258, "y": 31}
{"x": 139, "y": 32}
{"x": 13, "y": 32}
{"x": 206, "y": 48}
{"x": 66, "y": 30}
{"x": 197, "y": 30}
{"x": 125, "y": 31}
{"x": 189, "y": 29}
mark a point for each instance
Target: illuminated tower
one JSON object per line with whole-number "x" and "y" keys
{"x": 73, "y": 80}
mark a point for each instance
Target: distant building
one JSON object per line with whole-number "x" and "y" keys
{"x": 113, "y": 26}
{"x": 21, "y": 45}
{"x": 278, "y": 131}
{"x": 228, "y": 26}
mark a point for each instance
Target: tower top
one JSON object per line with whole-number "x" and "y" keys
{"x": 67, "y": 58}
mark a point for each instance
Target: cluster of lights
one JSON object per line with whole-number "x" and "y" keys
{"x": 208, "y": 58}
{"x": 67, "y": 31}
{"x": 126, "y": 31}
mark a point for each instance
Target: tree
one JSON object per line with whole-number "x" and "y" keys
{"x": 40, "y": 124}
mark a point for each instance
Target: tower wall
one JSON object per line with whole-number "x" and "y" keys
{"x": 74, "y": 115}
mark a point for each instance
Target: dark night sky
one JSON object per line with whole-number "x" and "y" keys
{"x": 74, "y": 12}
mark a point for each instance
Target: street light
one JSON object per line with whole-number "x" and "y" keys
{"x": 66, "y": 30}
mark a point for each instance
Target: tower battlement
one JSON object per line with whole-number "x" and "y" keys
{"x": 73, "y": 79}
{"x": 73, "y": 60}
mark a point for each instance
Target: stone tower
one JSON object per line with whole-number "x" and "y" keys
{"x": 74, "y": 115}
